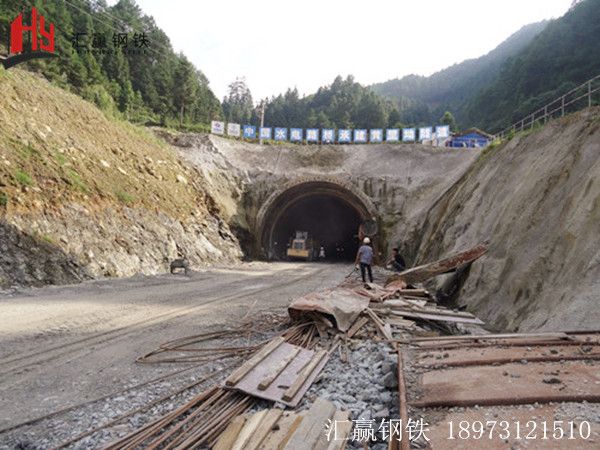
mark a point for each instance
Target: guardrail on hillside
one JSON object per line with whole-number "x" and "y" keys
{"x": 574, "y": 100}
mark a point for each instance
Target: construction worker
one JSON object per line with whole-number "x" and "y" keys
{"x": 322, "y": 253}
{"x": 364, "y": 257}
{"x": 396, "y": 261}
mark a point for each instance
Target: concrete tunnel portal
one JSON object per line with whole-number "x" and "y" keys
{"x": 335, "y": 215}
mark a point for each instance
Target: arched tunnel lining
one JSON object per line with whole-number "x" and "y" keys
{"x": 330, "y": 213}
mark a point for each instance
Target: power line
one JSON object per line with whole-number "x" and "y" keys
{"x": 151, "y": 49}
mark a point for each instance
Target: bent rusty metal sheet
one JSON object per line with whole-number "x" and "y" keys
{"x": 422, "y": 273}
{"x": 510, "y": 384}
{"x": 481, "y": 356}
{"x": 249, "y": 383}
{"x": 344, "y": 305}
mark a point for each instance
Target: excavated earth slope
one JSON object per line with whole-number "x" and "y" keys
{"x": 82, "y": 195}
{"x": 537, "y": 200}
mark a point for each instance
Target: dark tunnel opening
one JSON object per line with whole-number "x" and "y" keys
{"x": 330, "y": 222}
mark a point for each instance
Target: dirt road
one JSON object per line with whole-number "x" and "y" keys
{"x": 60, "y": 346}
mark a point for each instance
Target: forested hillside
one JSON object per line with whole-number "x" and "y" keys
{"x": 118, "y": 58}
{"x": 423, "y": 100}
{"x": 343, "y": 104}
{"x": 558, "y": 59}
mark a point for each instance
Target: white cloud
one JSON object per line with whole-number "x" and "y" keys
{"x": 281, "y": 44}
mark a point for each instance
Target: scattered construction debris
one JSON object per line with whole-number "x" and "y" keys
{"x": 280, "y": 372}
{"x": 343, "y": 305}
{"x": 422, "y": 273}
{"x": 275, "y": 429}
{"x": 435, "y": 373}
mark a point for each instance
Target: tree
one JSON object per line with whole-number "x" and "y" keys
{"x": 448, "y": 119}
{"x": 184, "y": 86}
{"x": 238, "y": 106}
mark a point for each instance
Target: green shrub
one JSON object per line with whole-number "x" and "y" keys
{"x": 125, "y": 198}
{"x": 48, "y": 239}
{"x": 23, "y": 178}
{"x": 3, "y": 199}
{"x": 76, "y": 181}
{"x": 61, "y": 159}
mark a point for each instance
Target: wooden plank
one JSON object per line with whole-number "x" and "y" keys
{"x": 246, "y": 432}
{"x": 414, "y": 292}
{"x": 245, "y": 368}
{"x": 360, "y": 322}
{"x": 282, "y": 432}
{"x": 380, "y": 325}
{"x": 291, "y": 392}
{"x": 229, "y": 436}
{"x": 263, "y": 429}
{"x": 396, "y": 303}
{"x": 310, "y": 430}
{"x": 438, "y": 317}
{"x": 266, "y": 382}
{"x": 445, "y": 312}
{"x": 399, "y": 321}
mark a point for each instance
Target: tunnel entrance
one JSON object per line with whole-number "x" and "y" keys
{"x": 330, "y": 223}
{"x": 334, "y": 216}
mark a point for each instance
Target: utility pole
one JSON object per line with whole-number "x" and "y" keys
{"x": 262, "y": 106}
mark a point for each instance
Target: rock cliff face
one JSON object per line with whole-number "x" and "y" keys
{"x": 537, "y": 200}
{"x": 83, "y": 195}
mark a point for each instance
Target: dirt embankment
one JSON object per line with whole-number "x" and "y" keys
{"x": 537, "y": 200}
{"x": 85, "y": 195}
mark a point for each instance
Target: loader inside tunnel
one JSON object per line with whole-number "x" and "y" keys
{"x": 331, "y": 213}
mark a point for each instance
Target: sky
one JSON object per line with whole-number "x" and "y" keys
{"x": 277, "y": 44}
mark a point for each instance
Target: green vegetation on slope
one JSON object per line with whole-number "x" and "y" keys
{"x": 140, "y": 82}
{"x": 561, "y": 57}
{"x": 57, "y": 149}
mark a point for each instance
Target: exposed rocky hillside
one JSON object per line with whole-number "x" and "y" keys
{"x": 401, "y": 180}
{"x": 537, "y": 200}
{"x": 83, "y": 195}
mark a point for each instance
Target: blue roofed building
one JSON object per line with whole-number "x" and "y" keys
{"x": 471, "y": 138}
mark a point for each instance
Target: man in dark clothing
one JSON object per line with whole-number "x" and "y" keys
{"x": 364, "y": 256}
{"x": 397, "y": 262}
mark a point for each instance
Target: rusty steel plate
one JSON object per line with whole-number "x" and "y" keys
{"x": 249, "y": 383}
{"x": 510, "y": 384}
{"x": 502, "y": 355}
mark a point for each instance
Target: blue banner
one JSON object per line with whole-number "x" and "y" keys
{"x": 392, "y": 134}
{"x": 328, "y": 135}
{"x": 360, "y": 136}
{"x": 281, "y": 134}
{"x": 344, "y": 135}
{"x": 312, "y": 135}
{"x": 249, "y": 131}
{"x": 296, "y": 134}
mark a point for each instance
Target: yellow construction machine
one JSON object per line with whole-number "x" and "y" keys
{"x": 300, "y": 247}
